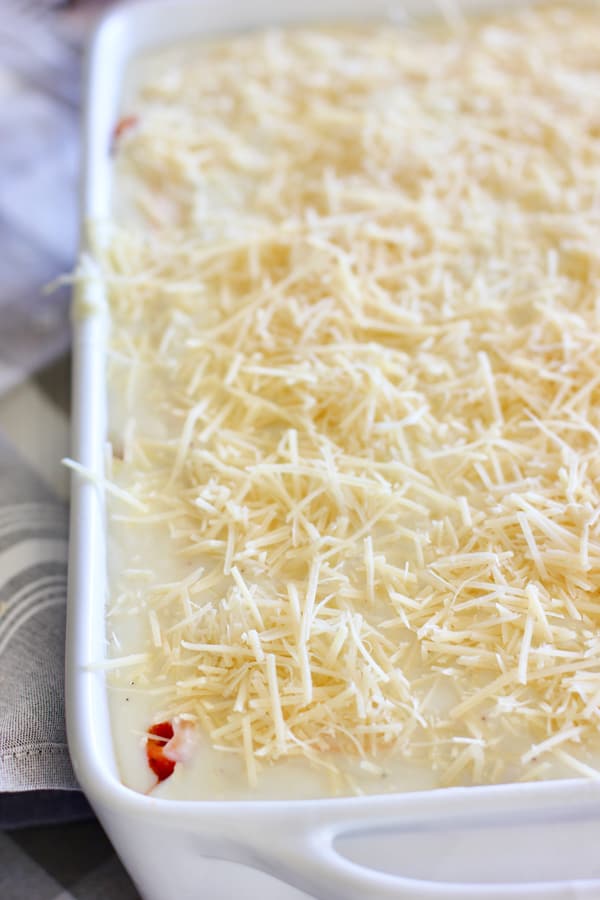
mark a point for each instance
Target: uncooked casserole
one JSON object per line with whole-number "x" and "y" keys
{"x": 354, "y": 427}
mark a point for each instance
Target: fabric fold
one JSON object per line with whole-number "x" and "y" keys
{"x": 33, "y": 583}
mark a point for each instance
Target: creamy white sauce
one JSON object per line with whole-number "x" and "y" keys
{"x": 208, "y": 773}
{"x": 143, "y": 554}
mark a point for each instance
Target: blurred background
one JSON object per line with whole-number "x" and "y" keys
{"x": 40, "y": 85}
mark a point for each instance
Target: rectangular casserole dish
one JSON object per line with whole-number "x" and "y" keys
{"x": 522, "y": 840}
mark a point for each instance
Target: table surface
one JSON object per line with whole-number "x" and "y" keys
{"x": 66, "y": 862}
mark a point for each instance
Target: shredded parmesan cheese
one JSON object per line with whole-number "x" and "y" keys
{"x": 355, "y": 375}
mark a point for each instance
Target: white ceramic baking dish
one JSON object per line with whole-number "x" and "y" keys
{"x": 517, "y": 841}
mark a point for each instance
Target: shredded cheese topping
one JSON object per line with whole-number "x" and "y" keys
{"x": 358, "y": 298}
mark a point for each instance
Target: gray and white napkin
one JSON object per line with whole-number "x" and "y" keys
{"x": 40, "y": 60}
{"x": 34, "y": 760}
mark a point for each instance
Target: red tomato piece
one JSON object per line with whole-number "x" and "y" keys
{"x": 155, "y": 750}
{"x": 123, "y": 125}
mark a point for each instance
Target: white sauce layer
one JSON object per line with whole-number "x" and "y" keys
{"x": 354, "y": 401}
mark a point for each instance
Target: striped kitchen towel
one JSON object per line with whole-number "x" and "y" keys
{"x": 34, "y": 759}
{"x": 40, "y": 78}
{"x": 33, "y": 574}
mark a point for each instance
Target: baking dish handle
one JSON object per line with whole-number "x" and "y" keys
{"x": 551, "y": 855}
